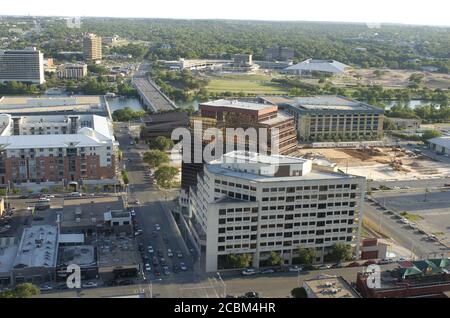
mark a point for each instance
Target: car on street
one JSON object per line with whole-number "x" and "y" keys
{"x": 353, "y": 264}
{"x": 294, "y": 268}
{"x": 166, "y": 270}
{"x": 157, "y": 227}
{"x": 251, "y": 294}
{"x": 183, "y": 266}
{"x": 137, "y": 233}
{"x": 169, "y": 253}
{"x": 156, "y": 273}
{"x": 76, "y": 195}
{"x": 248, "y": 272}
{"x": 383, "y": 261}
{"x": 150, "y": 249}
{"x": 89, "y": 285}
{"x": 179, "y": 254}
{"x": 163, "y": 262}
{"x": 155, "y": 261}
{"x": 45, "y": 288}
{"x": 148, "y": 268}
{"x": 136, "y": 202}
{"x": 325, "y": 266}
{"x": 268, "y": 271}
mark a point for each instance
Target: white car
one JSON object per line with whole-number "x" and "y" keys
{"x": 76, "y": 194}
{"x": 157, "y": 227}
{"x": 89, "y": 285}
{"x": 148, "y": 268}
{"x": 169, "y": 253}
{"x": 45, "y": 288}
{"x": 325, "y": 267}
{"x": 248, "y": 272}
{"x": 150, "y": 250}
{"x": 295, "y": 268}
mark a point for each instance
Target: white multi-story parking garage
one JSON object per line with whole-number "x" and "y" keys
{"x": 255, "y": 204}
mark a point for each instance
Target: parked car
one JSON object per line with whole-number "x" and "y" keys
{"x": 268, "y": 271}
{"x": 157, "y": 227}
{"x": 369, "y": 262}
{"x": 179, "y": 254}
{"x": 175, "y": 268}
{"x": 89, "y": 285}
{"x": 155, "y": 261}
{"x": 76, "y": 195}
{"x": 248, "y": 272}
{"x": 163, "y": 261}
{"x": 148, "y": 267}
{"x": 353, "y": 264}
{"x": 183, "y": 267}
{"x": 325, "y": 266}
{"x": 169, "y": 253}
{"x": 294, "y": 268}
{"x": 156, "y": 273}
{"x": 251, "y": 294}
{"x": 45, "y": 288}
{"x": 166, "y": 270}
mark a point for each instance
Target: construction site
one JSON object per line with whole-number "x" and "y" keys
{"x": 381, "y": 163}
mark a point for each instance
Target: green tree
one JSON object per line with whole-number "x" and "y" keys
{"x": 21, "y": 291}
{"x": 161, "y": 143}
{"x": 155, "y": 158}
{"x": 299, "y": 292}
{"x": 274, "y": 259}
{"x": 16, "y": 191}
{"x": 305, "y": 256}
{"x": 428, "y": 134}
{"x": 98, "y": 189}
{"x": 339, "y": 252}
{"x": 164, "y": 176}
{"x": 125, "y": 178}
{"x": 239, "y": 260}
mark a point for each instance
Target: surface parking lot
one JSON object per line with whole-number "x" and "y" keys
{"x": 432, "y": 209}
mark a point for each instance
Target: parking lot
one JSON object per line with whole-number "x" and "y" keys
{"x": 429, "y": 210}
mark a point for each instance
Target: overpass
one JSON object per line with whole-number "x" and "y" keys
{"x": 150, "y": 94}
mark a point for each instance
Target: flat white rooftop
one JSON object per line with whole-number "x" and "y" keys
{"x": 38, "y": 247}
{"x": 27, "y": 104}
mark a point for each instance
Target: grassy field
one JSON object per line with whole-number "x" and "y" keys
{"x": 252, "y": 84}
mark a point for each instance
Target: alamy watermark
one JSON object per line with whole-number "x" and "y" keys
{"x": 74, "y": 279}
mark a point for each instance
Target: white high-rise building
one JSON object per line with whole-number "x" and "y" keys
{"x": 255, "y": 204}
{"x": 22, "y": 66}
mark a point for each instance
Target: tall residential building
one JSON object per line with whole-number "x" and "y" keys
{"x": 332, "y": 118}
{"x": 278, "y": 53}
{"x": 70, "y": 70}
{"x": 92, "y": 47}
{"x": 223, "y": 114}
{"x": 247, "y": 203}
{"x": 57, "y": 148}
{"x": 22, "y": 66}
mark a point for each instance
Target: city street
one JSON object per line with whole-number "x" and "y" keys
{"x": 151, "y": 210}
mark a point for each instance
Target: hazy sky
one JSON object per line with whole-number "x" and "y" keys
{"x": 427, "y": 12}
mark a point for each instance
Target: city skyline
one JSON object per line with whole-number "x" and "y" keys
{"x": 372, "y": 13}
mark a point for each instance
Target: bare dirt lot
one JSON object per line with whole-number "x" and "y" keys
{"x": 391, "y": 78}
{"x": 381, "y": 164}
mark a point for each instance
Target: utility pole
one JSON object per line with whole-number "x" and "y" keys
{"x": 224, "y": 285}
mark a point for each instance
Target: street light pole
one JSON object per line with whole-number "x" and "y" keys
{"x": 224, "y": 285}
